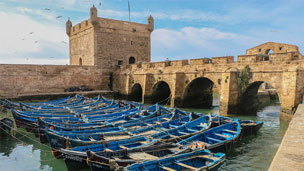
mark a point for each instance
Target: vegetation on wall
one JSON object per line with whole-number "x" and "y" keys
{"x": 243, "y": 78}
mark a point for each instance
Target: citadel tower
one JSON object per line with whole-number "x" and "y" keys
{"x": 106, "y": 42}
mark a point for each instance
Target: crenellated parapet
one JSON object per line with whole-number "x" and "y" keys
{"x": 78, "y": 28}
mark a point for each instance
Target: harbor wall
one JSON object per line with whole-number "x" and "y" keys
{"x": 290, "y": 154}
{"x": 16, "y": 80}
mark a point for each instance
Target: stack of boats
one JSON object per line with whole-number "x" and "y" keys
{"x": 103, "y": 134}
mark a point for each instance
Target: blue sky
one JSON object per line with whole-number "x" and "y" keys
{"x": 33, "y": 31}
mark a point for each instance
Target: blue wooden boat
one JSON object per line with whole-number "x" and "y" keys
{"x": 29, "y": 121}
{"x": 155, "y": 133}
{"x": 78, "y": 153}
{"x": 53, "y": 106}
{"x": 249, "y": 127}
{"x": 68, "y": 108}
{"x": 25, "y": 119}
{"x": 196, "y": 160}
{"x": 187, "y": 130}
{"x": 76, "y": 160}
{"x": 92, "y": 126}
{"x": 110, "y": 160}
{"x": 216, "y": 139}
{"x": 117, "y": 133}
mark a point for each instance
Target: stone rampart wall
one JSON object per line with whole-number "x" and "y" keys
{"x": 30, "y": 79}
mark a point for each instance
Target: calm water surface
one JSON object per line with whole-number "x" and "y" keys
{"x": 252, "y": 153}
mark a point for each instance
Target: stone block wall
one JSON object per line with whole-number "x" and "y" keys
{"x": 32, "y": 79}
{"x": 275, "y": 47}
{"x": 201, "y": 61}
{"x": 82, "y": 44}
{"x": 223, "y": 60}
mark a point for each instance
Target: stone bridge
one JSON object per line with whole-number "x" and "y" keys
{"x": 190, "y": 83}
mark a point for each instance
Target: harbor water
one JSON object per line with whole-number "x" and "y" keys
{"x": 23, "y": 152}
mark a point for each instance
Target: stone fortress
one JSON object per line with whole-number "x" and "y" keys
{"x": 108, "y": 54}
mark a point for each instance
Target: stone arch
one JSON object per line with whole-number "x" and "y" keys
{"x": 161, "y": 93}
{"x": 80, "y": 61}
{"x": 132, "y": 60}
{"x": 268, "y": 51}
{"x": 249, "y": 101}
{"x": 199, "y": 93}
{"x": 136, "y": 92}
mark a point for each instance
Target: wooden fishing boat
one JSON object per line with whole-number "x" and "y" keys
{"x": 175, "y": 128}
{"x": 25, "y": 119}
{"x": 80, "y": 151}
{"x": 6, "y": 125}
{"x": 216, "y": 139}
{"x": 81, "y": 124}
{"x": 76, "y": 155}
{"x": 75, "y": 161}
{"x": 249, "y": 127}
{"x": 116, "y": 133}
{"x": 187, "y": 130}
{"x": 29, "y": 121}
{"x": 196, "y": 160}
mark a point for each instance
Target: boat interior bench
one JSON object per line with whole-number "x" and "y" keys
{"x": 142, "y": 156}
{"x": 186, "y": 166}
{"x": 228, "y": 130}
{"x": 222, "y": 135}
{"x": 217, "y": 140}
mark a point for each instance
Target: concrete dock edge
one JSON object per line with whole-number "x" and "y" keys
{"x": 290, "y": 155}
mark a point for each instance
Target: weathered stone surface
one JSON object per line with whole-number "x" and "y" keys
{"x": 107, "y": 43}
{"x": 285, "y": 76}
{"x": 290, "y": 155}
{"x": 33, "y": 79}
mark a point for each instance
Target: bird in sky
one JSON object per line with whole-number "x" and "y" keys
{"x": 64, "y": 42}
{"x": 274, "y": 31}
{"x": 58, "y": 17}
{"x": 47, "y": 9}
{"x": 31, "y": 32}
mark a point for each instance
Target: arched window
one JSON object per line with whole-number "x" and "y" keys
{"x": 80, "y": 61}
{"x": 131, "y": 60}
{"x": 268, "y": 51}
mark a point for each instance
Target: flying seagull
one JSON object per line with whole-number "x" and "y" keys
{"x": 31, "y": 32}
{"x": 47, "y": 9}
{"x": 58, "y": 17}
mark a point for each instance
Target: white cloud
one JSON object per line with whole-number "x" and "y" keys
{"x": 191, "y": 42}
{"x": 24, "y": 38}
{"x": 184, "y": 15}
{"x": 49, "y": 15}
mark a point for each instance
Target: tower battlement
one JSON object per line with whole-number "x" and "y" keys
{"x": 108, "y": 42}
